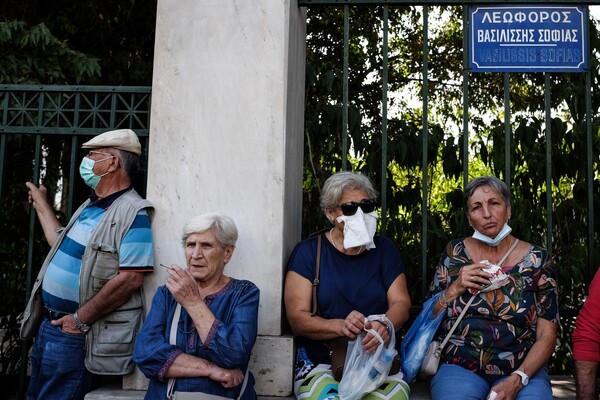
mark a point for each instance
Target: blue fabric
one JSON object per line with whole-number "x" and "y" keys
{"x": 60, "y": 288}
{"x": 235, "y": 330}
{"x": 57, "y": 366}
{"x": 347, "y": 283}
{"x": 453, "y": 382}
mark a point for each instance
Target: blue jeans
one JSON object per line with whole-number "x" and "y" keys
{"x": 454, "y": 382}
{"x": 57, "y": 365}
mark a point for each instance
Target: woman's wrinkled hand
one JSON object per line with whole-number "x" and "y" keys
{"x": 370, "y": 342}
{"x": 353, "y": 324}
{"x": 506, "y": 390}
{"x": 228, "y": 378}
{"x": 183, "y": 286}
{"x": 473, "y": 277}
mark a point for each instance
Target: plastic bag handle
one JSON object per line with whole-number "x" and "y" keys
{"x": 384, "y": 320}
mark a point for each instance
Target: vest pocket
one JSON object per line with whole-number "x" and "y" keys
{"x": 106, "y": 265}
{"x": 116, "y": 332}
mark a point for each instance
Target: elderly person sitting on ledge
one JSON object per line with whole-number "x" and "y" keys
{"x": 501, "y": 346}
{"x": 360, "y": 274}
{"x": 217, "y": 326}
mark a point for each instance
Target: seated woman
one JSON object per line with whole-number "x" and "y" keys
{"x": 218, "y": 320}
{"x": 359, "y": 275}
{"x": 501, "y": 346}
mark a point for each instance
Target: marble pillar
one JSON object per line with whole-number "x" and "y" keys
{"x": 226, "y": 136}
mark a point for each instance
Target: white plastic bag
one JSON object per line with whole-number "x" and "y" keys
{"x": 364, "y": 372}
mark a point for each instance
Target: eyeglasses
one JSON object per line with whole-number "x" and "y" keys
{"x": 366, "y": 205}
{"x": 92, "y": 152}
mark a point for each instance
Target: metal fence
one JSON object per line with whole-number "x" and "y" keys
{"x": 38, "y": 124}
{"x": 385, "y": 6}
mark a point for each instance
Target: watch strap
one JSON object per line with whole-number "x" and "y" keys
{"x": 83, "y": 327}
{"x": 523, "y": 375}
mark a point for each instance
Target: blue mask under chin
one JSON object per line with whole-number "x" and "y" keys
{"x": 492, "y": 241}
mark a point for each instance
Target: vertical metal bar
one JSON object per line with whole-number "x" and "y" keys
{"x": 5, "y": 96}
{"x": 590, "y": 175}
{"x": 113, "y": 110}
{"x": 507, "y": 135}
{"x": 345, "y": 131}
{"x": 28, "y": 276}
{"x": 547, "y": 106}
{"x": 76, "y": 113}
{"x": 589, "y": 273}
{"x": 425, "y": 189}
{"x": 384, "y": 116}
{"x": 2, "y": 158}
{"x": 465, "y": 86}
{"x": 74, "y": 150}
{"x": 72, "y": 167}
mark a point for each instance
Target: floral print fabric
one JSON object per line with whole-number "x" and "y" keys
{"x": 499, "y": 328}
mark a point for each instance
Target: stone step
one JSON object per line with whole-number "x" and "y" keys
{"x": 563, "y": 388}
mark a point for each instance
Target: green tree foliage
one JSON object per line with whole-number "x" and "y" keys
{"x": 55, "y": 43}
{"x": 31, "y": 54}
{"x": 444, "y": 145}
{"x": 86, "y": 42}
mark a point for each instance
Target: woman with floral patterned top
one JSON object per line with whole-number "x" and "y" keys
{"x": 501, "y": 346}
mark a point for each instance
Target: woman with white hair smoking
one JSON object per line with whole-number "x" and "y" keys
{"x": 217, "y": 324}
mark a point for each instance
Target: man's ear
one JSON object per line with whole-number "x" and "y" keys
{"x": 115, "y": 163}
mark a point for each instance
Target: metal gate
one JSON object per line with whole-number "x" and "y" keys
{"x": 43, "y": 126}
{"x": 384, "y": 6}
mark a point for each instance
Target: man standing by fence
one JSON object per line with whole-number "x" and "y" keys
{"x": 86, "y": 304}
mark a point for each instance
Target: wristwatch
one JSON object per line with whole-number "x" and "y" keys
{"x": 85, "y": 328}
{"x": 523, "y": 375}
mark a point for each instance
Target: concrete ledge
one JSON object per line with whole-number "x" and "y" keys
{"x": 563, "y": 388}
{"x": 115, "y": 393}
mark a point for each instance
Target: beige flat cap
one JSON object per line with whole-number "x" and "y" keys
{"x": 122, "y": 139}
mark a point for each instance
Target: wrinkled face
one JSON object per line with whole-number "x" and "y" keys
{"x": 103, "y": 158}
{"x": 205, "y": 256}
{"x": 487, "y": 211}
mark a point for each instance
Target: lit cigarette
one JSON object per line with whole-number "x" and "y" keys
{"x": 164, "y": 266}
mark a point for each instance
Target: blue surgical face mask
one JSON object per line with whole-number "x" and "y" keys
{"x": 86, "y": 170}
{"x": 493, "y": 241}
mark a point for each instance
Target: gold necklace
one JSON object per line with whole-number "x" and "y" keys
{"x": 360, "y": 249}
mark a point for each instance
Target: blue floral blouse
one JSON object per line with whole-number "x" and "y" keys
{"x": 499, "y": 328}
{"x": 228, "y": 345}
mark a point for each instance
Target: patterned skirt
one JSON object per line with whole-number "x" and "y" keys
{"x": 316, "y": 382}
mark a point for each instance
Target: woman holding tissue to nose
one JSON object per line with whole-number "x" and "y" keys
{"x": 199, "y": 333}
{"x": 501, "y": 346}
{"x": 359, "y": 274}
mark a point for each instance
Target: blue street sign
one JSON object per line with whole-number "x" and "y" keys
{"x": 535, "y": 38}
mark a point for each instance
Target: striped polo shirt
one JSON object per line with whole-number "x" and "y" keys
{"x": 60, "y": 288}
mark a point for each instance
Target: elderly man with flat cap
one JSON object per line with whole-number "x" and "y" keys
{"x": 86, "y": 304}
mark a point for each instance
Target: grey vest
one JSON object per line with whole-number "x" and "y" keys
{"x": 109, "y": 344}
